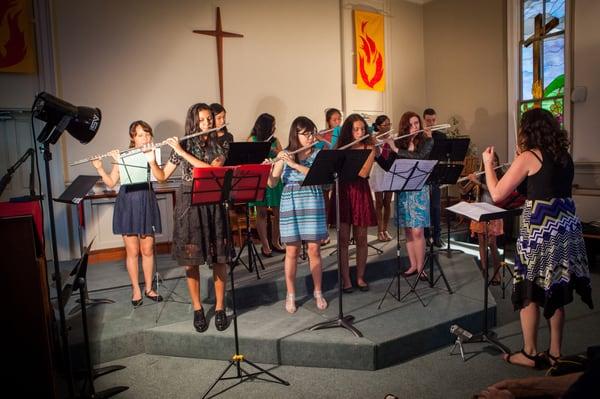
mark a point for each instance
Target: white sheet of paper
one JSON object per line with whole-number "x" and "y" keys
{"x": 474, "y": 210}
{"x": 133, "y": 168}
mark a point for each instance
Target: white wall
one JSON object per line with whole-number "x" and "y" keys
{"x": 465, "y": 61}
{"x": 145, "y": 63}
{"x": 408, "y": 52}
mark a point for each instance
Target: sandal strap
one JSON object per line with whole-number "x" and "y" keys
{"x": 539, "y": 361}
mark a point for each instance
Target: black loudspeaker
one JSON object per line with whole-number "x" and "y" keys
{"x": 29, "y": 344}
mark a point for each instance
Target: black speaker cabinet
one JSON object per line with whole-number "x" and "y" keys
{"x": 29, "y": 338}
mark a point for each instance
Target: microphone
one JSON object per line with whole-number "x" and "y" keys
{"x": 461, "y": 334}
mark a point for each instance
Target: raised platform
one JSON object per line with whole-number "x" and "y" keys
{"x": 268, "y": 334}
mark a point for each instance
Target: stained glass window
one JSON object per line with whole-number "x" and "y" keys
{"x": 542, "y": 63}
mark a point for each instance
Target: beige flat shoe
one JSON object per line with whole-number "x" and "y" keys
{"x": 290, "y": 303}
{"x": 321, "y": 302}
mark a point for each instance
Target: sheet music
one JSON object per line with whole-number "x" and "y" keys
{"x": 399, "y": 173}
{"x": 133, "y": 168}
{"x": 474, "y": 210}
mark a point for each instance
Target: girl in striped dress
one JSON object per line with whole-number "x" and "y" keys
{"x": 302, "y": 209}
{"x": 551, "y": 259}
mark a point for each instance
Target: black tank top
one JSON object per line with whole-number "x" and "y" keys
{"x": 553, "y": 180}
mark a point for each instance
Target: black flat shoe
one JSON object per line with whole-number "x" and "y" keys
{"x": 280, "y": 250}
{"x": 200, "y": 323}
{"x": 155, "y": 298}
{"x": 221, "y": 320}
{"x": 423, "y": 277}
{"x": 405, "y": 274}
{"x": 364, "y": 288}
{"x": 348, "y": 290}
{"x": 137, "y": 302}
{"x": 266, "y": 255}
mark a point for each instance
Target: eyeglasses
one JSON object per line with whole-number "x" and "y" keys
{"x": 306, "y": 133}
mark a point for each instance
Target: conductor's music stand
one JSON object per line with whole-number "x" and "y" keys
{"x": 245, "y": 154}
{"x": 405, "y": 175}
{"x": 79, "y": 284}
{"x": 329, "y": 167}
{"x": 482, "y": 212}
{"x": 225, "y": 185}
{"x": 74, "y": 195}
{"x": 447, "y": 151}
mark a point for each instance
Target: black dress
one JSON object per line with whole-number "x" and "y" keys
{"x": 199, "y": 234}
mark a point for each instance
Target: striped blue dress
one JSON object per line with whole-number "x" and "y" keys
{"x": 302, "y": 209}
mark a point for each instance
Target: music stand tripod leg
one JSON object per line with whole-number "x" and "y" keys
{"x": 398, "y": 272}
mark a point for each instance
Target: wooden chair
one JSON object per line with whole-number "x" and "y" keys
{"x": 237, "y": 220}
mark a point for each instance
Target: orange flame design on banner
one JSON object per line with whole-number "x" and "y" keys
{"x": 371, "y": 55}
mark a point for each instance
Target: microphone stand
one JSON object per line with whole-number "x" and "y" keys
{"x": 10, "y": 172}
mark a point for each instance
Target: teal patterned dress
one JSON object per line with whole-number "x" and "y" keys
{"x": 272, "y": 195}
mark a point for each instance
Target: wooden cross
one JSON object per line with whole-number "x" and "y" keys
{"x": 541, "y": 30}
{"x": 219, "y": 34}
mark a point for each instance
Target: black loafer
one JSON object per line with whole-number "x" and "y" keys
{"x": 200, "y": 323}
{"x": 348, "y": 290}
{"x": 137, "y": 302}
{"x": 155, "y": 298}
{"x": 221, "y": 320}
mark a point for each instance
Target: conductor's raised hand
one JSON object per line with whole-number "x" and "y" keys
{"x": 488, "y": 156}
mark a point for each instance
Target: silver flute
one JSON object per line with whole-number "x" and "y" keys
{"x": 148, "y": 147}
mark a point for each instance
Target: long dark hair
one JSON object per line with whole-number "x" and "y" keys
{"x": 192, "y": 125}
{"x": 329, "y": 112}
{"x": 404, "y": 128}
{"x": 216, "y": 109}
{"x": 541, "y": 130}
{"x": 378, "y": 121}
{"x": 301, "y": 123}
{"x": 145, "y": 127}
{"x": 346, "y": 136}
{"x": 263, "y": 127}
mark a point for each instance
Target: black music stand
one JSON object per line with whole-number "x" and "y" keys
{"x": 79, "y": 284}
{"x": 405, "y": 175}
{"x": 445, "y": 173}
{"x": 224, "y": 185}
{"x": 447, "y": 151}
{"x": 245, "y": 154}
{"x": 482, "y": 212}
{"x": 74, "y": 195}
{"x": 329, "y": 167}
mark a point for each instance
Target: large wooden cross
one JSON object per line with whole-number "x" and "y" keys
{"x": 540, "y": 32}
{"x": 219, "y": 34}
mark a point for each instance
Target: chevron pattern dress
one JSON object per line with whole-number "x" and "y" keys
{"x": 302, "y": 214}
{"x": 551, "y": 259}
